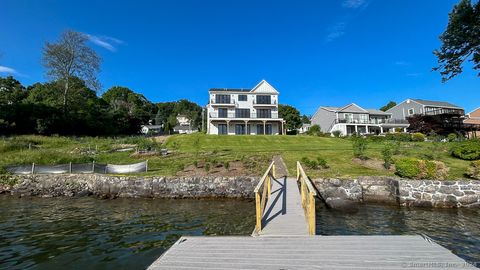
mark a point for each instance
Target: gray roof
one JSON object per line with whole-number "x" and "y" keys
{"x": 330, "y": 108}
{"x": 436, "y": 103}
{"x": 231, "y": 89}
{"x": 377, "y": 112}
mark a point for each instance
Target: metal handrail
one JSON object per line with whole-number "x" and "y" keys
{"x": 308, "y": 194}
{"x": 260, "y": 201}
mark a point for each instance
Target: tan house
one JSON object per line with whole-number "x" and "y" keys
{"x": 472, "y": 123}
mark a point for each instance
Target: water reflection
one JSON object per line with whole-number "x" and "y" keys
{"x": 108, "y": 234}
{"x": 66, "y": 233}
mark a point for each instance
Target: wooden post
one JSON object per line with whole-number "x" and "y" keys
{"x": 33, "y": 168}
{"x": 259, "y": 212}
{"x": 269, "y": 186}
{"x": 70, "y": 168}
{"x": 273, "y": 170}
{"x": 311, "y": 219}
{"x": 146, "y": 166}
{"x": 93, "y": 166}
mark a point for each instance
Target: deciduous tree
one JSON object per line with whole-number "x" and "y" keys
{"x": 71, "y": 57}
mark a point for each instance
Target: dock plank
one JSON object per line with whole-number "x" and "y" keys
{"x": 307, "y": 252}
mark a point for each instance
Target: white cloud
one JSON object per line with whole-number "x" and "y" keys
{"x": 105, "y": 42}
{"x": 353, "y": 3}
{"x": 9, "y": 70}
{"x": 336, "y": 31}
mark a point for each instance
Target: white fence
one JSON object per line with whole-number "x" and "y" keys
{"x": 79, "y": 168}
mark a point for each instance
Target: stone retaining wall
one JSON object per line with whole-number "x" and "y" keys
{"x": 405, "y": 192}
{"x": 133, "y": 186}
{"x": 385, "y": 190}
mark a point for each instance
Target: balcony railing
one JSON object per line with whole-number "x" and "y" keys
{"x": 233, "y": 115}
{"x": 444, "y": 111}
{"x": 370, "y": 121}
{"x": 223, "y": 102}
{"x": 271, "y": 102}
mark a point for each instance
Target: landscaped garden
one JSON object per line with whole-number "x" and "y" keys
{"x": 239, "y": 155}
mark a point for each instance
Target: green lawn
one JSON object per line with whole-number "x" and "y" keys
{"x": 254, "y": 151}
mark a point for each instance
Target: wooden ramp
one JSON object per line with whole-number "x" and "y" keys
{"x": 308, "y": 252}
{"x": 284, "y": 214}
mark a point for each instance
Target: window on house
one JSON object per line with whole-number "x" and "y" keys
{"x": 264, "y": 113}
{"x": 239, "y": 129}
{"x": 260, "y": 129}
{"x": 363, "y": 118}
{"x": 348, "y": 117}
{"x": 411, "y": 111}
{"x": 242, "y": 97}
{"x": 222, "y": 99}
{"x": 264, "y": 100}
{"x": 268, "y": 129}
{"x": 242, "y": 113}
{"x": 223, "y": 112}
{"x": 222, "y": 129}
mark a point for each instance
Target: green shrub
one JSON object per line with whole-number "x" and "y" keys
{"x": 452, "y": 137}
{"x": 336, "y": 133}
{"x": 387, "y": 154}
{"x": 315, "y": 131}
{"x": 474, "y": 170}
{"x": 315, "y": 164}
{"x": 467, "y": 150}
{"x": 359, "y": 146}
{"x": 407, "y": 167}
{"x": 421, "y": 169}
{"x": 226, "y": 164}
{"x": 322, "y": 162}
{"x": 418, "y": 137}
{"x": 195, "y": 163}
{"x": 207, "y": 166}
{"x": 402, "y": 137}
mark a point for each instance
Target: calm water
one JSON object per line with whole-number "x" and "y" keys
{"x": 48, "y": 233}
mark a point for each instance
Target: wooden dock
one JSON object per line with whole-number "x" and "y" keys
{"x": 284, "y": 238}
{"x": 307, "y": 252}
{"x": 283, "y": 214}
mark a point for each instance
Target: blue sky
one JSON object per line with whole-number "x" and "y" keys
{"x": 314, "y": 52}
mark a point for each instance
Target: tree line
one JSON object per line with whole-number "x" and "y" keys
{"x": 69, "y": 105}
{"x": 42, "y": 108}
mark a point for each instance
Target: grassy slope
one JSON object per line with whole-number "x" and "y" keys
{"x": 217, "y": 149}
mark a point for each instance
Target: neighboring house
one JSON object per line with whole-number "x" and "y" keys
{"x": 412, "y": 107}
{"x": 184, "y": 125}
{"x": 151, "y": 129}
{"x": 244, "y": 111}
{"x": 353, "y": 119}
{"x": 472, "y": 123}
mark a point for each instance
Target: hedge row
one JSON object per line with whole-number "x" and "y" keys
{"x": 414, "y": 168}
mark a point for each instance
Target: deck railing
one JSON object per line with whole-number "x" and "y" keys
{"x": 308, "y": 194}
{"x": 265, "y": 185}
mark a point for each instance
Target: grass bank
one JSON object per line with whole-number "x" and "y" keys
{"x": 253, "y": 151}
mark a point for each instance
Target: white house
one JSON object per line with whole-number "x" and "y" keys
{"x": 184, "y": 125}
{"x": 236, "y": 111}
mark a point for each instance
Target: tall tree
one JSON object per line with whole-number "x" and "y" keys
{"x": 291, "y": 115}
{"x": 305, "y": 119}
{"x": 389, "y": 105}
{"x": 71, "y": 57}
{"x": 460, "y": 41}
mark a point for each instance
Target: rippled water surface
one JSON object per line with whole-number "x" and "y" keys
{"x": 81, "y": 233}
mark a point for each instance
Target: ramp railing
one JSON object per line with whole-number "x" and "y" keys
{"x": 265, "y": 185}
{"x": 308, "y": 194}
